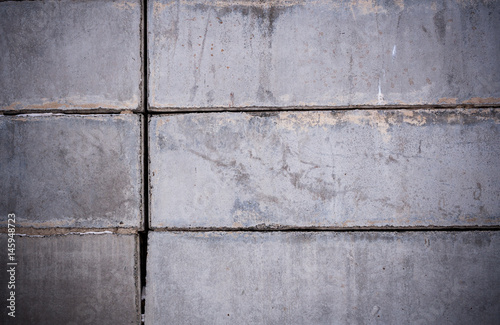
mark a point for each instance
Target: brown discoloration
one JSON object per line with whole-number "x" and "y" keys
{"x": 479, "y": 100}
{"x": 12, "y": 106}
{"x": 125, "y": 5}
{"x": 47, "y": 106}
{"x": 383, "y": 120}
{"x": 54, "y": 105}
{"x": 231, "y": 99}
{"x": 158, "y": 7}
{"x": 447, "y": 100}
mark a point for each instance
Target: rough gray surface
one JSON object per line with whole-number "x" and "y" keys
{"x": 323, "y": 278}
{"x": 70, "y": 54}
{"x": 73, "y": 279}
{"x": 328, "y": 168}
{"x": 335, "y": 53}
{"x": 71, "y": 170}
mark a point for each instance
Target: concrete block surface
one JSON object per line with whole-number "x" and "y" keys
{"x": 323, "y": 278}
{"x": 367, "y": 168}
{"x": 231, "y": 54}
{"x": 71, "y": 170}
{"x": 73, "y": 279}
{"x": 70, "y": 55}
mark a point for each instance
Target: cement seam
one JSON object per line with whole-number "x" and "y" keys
{"x": 198, "y": 110}
{"x": 143, "y": 234}
{"x": 63, "y": 231}
{"x": 186, "y": 110}
{"x": 28, "y": 231}
{"x": 332, "y": 229}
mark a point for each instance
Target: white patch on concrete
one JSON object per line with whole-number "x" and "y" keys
{"x": 24, "y": 235}
{"x": 70, "y": 233}
{"x": 90, "y": 233}
{"x": 380, "y": 97}
{"x": 38, "y": 114}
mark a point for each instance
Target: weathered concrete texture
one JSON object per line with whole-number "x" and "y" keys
{"x": 323, "y": 278}
{"x": 326, "y": 168}
{"x": 70, "y": 54}
{"x": 71, "y": 170}
{"x": 336, "y": 53}
{"x": 73, "y": 279}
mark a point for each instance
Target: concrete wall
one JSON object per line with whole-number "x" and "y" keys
{"x": 73, "y": 180}
{"x": 323, "y": 278}
{"x": 72, "y": 170}
{"x": 279, "y": 53}
{"x": 74, "y": 279}
{"x": 251, "y": 162}
{"x": 397, "y": 168}
{"x": 89, "y": 51}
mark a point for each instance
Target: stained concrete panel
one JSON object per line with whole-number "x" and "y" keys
{"x": 73, "y": 279}
{"x": 363, "y": 168}
{"x": 70, "y": 55}
{"x": 230, "y": 54}
{"x": 71, "y": 170}
{"x": 323, "y": 278}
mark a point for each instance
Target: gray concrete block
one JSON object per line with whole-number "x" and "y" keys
{"x": 362, "y": 168}
{"x": 69, "y": 55}
{"x": 73, "y": 279}
{"x": 71, "y": 170}
{"x": 323, "y": 278}
{"x": 332, "y": 53}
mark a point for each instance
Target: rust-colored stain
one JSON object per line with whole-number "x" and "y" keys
{"x": 125, "y": 5}
{"x": 479, "y": 100}
{"x": 47, "y": 105}
{"x": 12, "y": 106}
{"x": 447, "y": 100}
{"x": 68, "y": 105}
{"x": 53, "y": 105}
